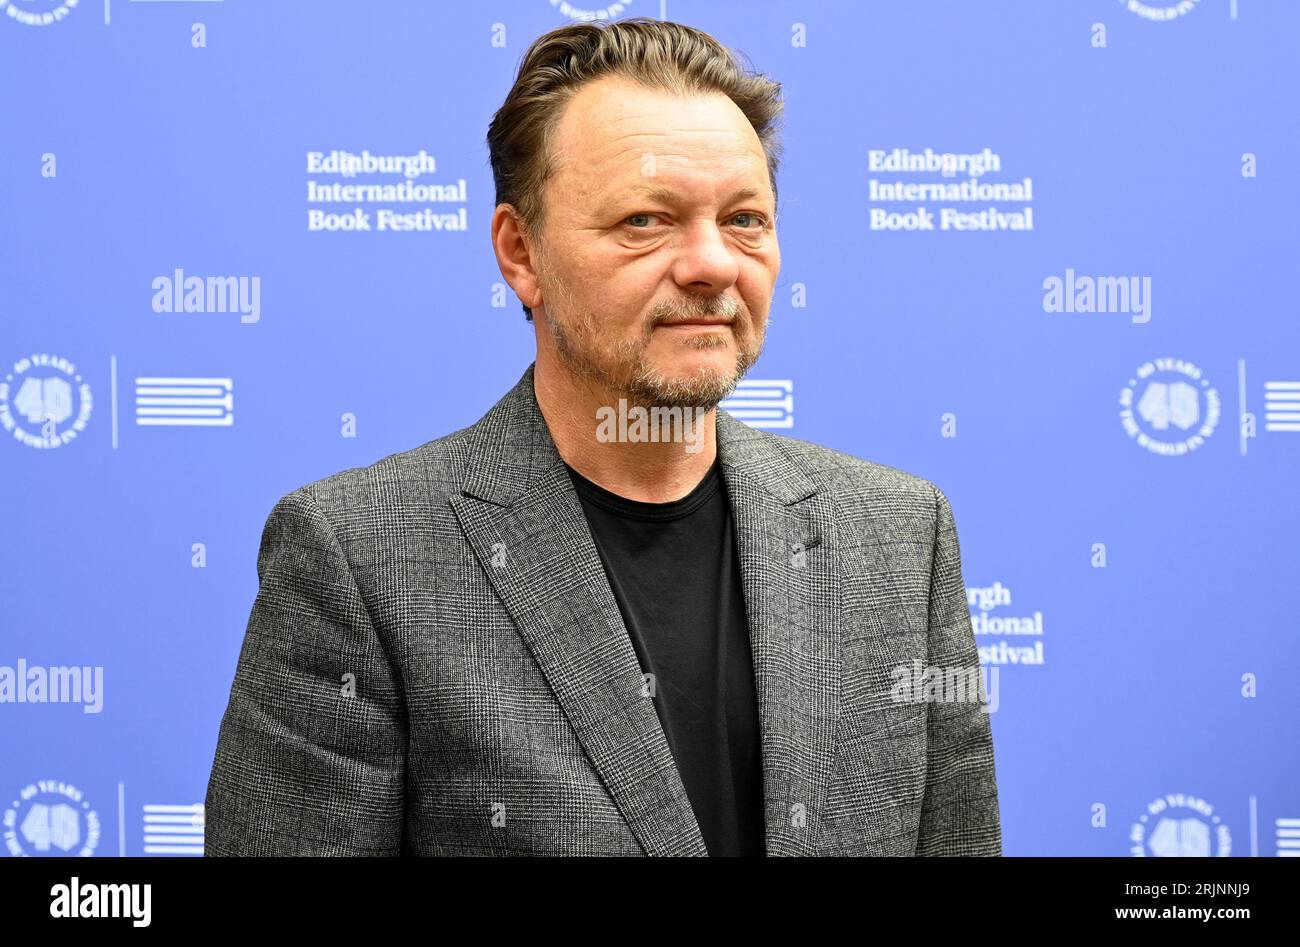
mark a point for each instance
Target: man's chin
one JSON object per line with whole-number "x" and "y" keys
{"x": 683, "y": 360}
{"x": 701, "y": 384}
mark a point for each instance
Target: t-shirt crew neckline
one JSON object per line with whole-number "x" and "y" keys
{"x": 637, "y": 509}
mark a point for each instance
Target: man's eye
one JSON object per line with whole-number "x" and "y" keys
{"x": 748, "y": 221}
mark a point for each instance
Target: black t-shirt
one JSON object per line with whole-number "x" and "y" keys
{"x": 674, "y": 571}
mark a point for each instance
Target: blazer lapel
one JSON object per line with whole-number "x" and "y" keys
{"x": 523, "y": 519}
{"x": 785, "y": 538}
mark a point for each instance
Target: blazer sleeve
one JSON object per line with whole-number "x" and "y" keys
{"x": 959, "y": 813}
{"x": 310, "y": 757}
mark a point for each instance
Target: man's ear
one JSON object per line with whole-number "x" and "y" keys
{"x": 512, "y": 244}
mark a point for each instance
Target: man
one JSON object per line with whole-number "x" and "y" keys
{"x": 558, "y": 632}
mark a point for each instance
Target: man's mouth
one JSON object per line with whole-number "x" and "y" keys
{"x": 695, "y": 323}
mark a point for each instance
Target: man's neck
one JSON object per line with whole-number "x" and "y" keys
{"x": 581, "y": 416}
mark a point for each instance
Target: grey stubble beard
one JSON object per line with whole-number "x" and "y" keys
{"x": 627, "y": 374}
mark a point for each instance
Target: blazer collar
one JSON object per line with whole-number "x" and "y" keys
{"x": 513, "y": 449}
{"x": 523, "y": 519}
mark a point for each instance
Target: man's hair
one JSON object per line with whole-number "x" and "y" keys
{"x": 657, "y": 54}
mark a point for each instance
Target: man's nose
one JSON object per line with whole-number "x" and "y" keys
{"x": 705, "y": 259}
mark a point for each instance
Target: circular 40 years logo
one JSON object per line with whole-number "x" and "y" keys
{"x": 586, "y": 15}
{"x": 50, "y": 818}
{"x": 1179, "y": 825}
{"x": 37, "y": 12}
{"x": 1169, "y": 406}
{"x": 1168, "y": 10}
{"x": 44, "y": 402}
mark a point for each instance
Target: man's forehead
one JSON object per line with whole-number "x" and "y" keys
{"x": 671, "y": 195}
{"x": 668, "y": 176}
{"x": 674, "y": 189}
{"x": 672, "y": 138}
{"x": 612, "y": 106}
{"x": 616, "y": 129}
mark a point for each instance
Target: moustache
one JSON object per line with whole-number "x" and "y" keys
{"x": 725, "y": 314}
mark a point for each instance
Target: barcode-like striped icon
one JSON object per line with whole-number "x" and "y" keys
{"x": 1282, "y": 405}
{"x": 198, "y": 402}
{"x": 1288, "y": 838}
{"x": 762, "y": 402}
{"x": 173, "y": 830}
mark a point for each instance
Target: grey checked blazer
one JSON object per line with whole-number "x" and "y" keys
{"x": 435, "y": 663}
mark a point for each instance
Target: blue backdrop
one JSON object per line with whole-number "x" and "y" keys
{"x": 1123, "y": 473}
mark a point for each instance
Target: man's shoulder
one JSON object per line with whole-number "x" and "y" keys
{"x": 860, "y": 486}
{"x": 879, "y": 509}
{"x": 419, "y": 481}
{"x": 415, "y": 481}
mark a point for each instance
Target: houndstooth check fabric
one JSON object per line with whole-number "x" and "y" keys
{"x": 435, "y": 663}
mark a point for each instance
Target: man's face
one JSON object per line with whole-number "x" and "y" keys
{"x": 660, "y": 217}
